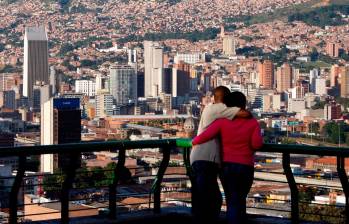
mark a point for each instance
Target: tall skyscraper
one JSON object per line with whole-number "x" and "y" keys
{"x": 153, "y": 68}
{"x": 229, "y": 46}
{"x": 335, "y": 71}
{"x": 104, "y": 104}
{"x": 132, "y": 56}
{"x": 180, "y": 79}
{"x": 60, "y": 123}
{"x": 266, "y": 74}
{"x": 35, "y": 59}
{"x": 283, "y": 78}
{"x": 41, "y": 94}
{"x": 345, "y": 81}
{"x": 332, "y": 49}
{"x": 53, "y": 80}
{"x": 8, "y": 99}
{"x": 123, "y": 84}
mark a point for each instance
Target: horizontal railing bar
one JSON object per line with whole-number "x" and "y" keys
{"x": 140, "y": 144}
{"x": 85, "y": 147}
{"x": 305, "y": 149}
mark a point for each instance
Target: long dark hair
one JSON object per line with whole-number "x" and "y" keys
{"x": 237, "y": 99}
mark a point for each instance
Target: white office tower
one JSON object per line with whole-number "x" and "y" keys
{"x": 99, "y": 83}
{"x": 276, "y": 102}
{"x": 123, "y": 84}
{"x": 320, "y": 86}
{"x": 53, "y": 80}
{"x": 229, "y": 46}
{"x": 87, "y": 87}
{"x": 35, "y": 59}
{"x": 153, "y": 69}
{"x": 132, "y": 56}
{"x": 104, "y": 105}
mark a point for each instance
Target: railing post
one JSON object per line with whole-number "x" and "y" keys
{"x": 156, "y": 188}
{"x": 113, "y": 186}
{"x": 293, "y": 187}
{"x": 15, "y": 189}
{"x": 69, "y": 170}
{"x": 345, "y": 185}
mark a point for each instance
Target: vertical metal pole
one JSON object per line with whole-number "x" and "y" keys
{"x": 69, "y": 170}
{"x": 15, "y": 189}
{"x": 345, "y": 184}
{"x": 113, "y": 186}
{"x": 293, "y": 188}
{"x": 156, "y": 189}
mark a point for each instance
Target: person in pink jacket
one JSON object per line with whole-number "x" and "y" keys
{"x": 240, "y": 138}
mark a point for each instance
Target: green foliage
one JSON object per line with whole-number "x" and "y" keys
{"x": 66, "y": 48}
{"x": 336, "y": 132}
{"x": 246, "y": 38}
{"x": 314, "y": 55}
{"x": 324, "y": 16}
{"x": 85, "y": 178}
{"x": 322, "y": 213}
{"x": 319, "y": 105}
{"x": 2, "y": 47}
{"x": 314, "y": 127}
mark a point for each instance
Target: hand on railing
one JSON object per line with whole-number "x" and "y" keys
{"x": 184, "y": 143}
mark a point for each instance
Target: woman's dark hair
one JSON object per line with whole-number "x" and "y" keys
{"x": 237, "y": 99}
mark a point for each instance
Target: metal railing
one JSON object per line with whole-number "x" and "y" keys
{"x": 166, "y": 145}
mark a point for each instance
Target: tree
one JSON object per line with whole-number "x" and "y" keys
{"x": 65, "y": 48}
{"x": 314, "y": 127}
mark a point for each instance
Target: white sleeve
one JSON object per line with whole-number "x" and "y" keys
{"x": 214, "y": 112}
{"x": 229, "y": 112}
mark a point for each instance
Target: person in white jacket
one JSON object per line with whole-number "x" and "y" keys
{"x": 205, "y": 160}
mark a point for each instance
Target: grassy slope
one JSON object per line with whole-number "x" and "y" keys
{"x": 283, "y": 13}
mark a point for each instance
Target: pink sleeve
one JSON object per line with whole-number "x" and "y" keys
{"x": 211, "y": 132}
{"x": 257, "y": 139}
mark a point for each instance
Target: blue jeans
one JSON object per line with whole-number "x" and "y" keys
{"x": 237, "y": 180}
{"x": 206, "y": 196}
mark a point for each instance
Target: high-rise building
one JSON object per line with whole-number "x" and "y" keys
{"x": 180, "y": 79}
{"x": 345, "y": 81}
{"x": 123, "y": 84}
{"x": 166, "y": 102}
{"x": 35, "y": 59}
{"x": 104, "y": 104}
{"x": 41, "y": 94}
{"x": 276, "y": 102}
{"x": 132, "y": 56}
{"x": 229, "y": 46}
{"x": 53, "y": 80}
{"x": 168, "y": 80}
{"x": 313, "y": 75}
{"x": 266, "y": 74}
{"x": 60, "y": 124}
{"x": 335, "y": 71}
{"x": 8, "y": 99}
{"x": 153, "y": 68}
{"x": 332, "y": 49}
{"x": 332, "y": 111}
{"x": 284, "y": 78}
{"x": 320, "y": 86}
{"x": 87, "y": 87}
